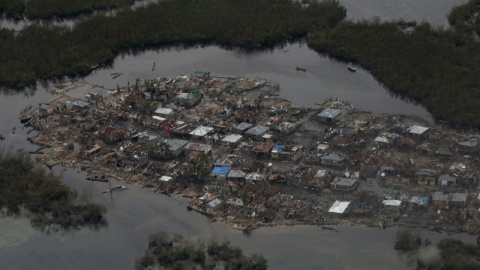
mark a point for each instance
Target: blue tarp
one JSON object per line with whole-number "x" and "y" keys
{"x": 221, "y": 170}
{"x": 279, "y": 147}
{"x": 424, "y": 199}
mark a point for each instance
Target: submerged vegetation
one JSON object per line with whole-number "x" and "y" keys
{"x": 174, "y": 252}
{"x": 436, "y": 67}
{"x": 47, "y": 9}
{"x": 49, "y": 203}
{"x": 448, "y": 254}
{"x": 45, "y": 52}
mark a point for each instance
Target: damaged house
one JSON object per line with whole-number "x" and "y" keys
{"x": 286, "y": 153}
{"x": 112, "y": 135}
{"x": 329, "y": 115}
{"x": 344, "y": 184}
{"x": 333, "y": 159}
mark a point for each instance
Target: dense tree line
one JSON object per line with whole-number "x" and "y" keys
{"x": 465, "y": 17}
{"x": 436, "y": 67}
{"x": 174, "y": 252}
{"x": 47, "y": 9}
{"x": 12, "y": 8}
{"x": 49, "y": 203}
{"x": 45, "y": 52}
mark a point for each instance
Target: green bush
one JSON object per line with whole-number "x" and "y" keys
{"x": 50, "y": 203}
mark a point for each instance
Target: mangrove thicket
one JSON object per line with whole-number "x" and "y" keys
{"x": 48, "y": 9}
{"x": 175, "y": 252}
{"x": 434, "y": 66}
{"x": 45, "y": 52}
{"x": 51, "y": 205}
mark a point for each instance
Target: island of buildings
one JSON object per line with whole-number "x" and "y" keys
{"x": 245, "y": 156}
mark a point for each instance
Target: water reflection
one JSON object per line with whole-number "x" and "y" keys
{"x": 324, "y": 78}
{"x": 433, "y": 11}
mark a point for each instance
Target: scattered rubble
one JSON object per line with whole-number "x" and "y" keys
{"x": 246, "y": 156}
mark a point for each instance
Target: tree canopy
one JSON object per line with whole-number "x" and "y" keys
{"x": 50, "y": 204}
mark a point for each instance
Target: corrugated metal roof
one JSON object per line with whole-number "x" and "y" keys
{"x": 233, "y": 138}
{"x": 417, "y": 129}
{"x": 339, "y": 207}
{"x": 459, "y": 197}
{"x": 165, "y": 178}
{"x": 201, "y": 131}
{"x": 330, "y": 113}
{"x": 176, "y": 144}
{"x": 158, "y": 118}
{"x": 236, "y": 174}
{"x": 258, "y": 130}
{"x": 243, "y": 126}
{"x": 214, "y": 203}
{"x": 345, "y": 181}
{"x": 164, "y": 111}
{"x": 392, "y": 202}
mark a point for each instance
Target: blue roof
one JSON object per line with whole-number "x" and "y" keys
{"x": 279, "y": 147}
{"x": 221, "y": 170}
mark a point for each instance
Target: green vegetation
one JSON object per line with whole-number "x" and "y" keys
{"x": 454, "y": 255}
{"x": 436, "y": 67}
{"x": 13, "y": 8}
{"x": 49, "y": 203}
{"x": 465, "y": 17}
{"x": 198, "y": 169}
{"x": 175, "y": 252}
{"x": 407, "y": 240}
{"x": 47, "y": 9}
{"x": 45, "y": 52}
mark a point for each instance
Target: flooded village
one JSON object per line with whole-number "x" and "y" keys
{"x": 243, "y": 155}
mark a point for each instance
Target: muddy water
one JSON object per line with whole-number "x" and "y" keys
{"x": 136, "y": 213}
{"x": 432, "y": 11}
{"x": 324, "y": 78}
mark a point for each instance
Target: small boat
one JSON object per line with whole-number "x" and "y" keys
{"x": 14, "y": 130}
{"x": 25, "y": 117}
{"x": 1, "y": 137}
{"x": 116, "y": 188}
{"x": 96, "y": 177}
{"x": 116, "y": 76}
{"x": 28, "y": 122}
{"x": 301, "y": 69}
{"x": 351, "y": 68}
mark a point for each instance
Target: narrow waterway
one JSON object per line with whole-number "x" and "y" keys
{"x": 324, "y": 77}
